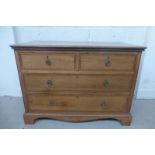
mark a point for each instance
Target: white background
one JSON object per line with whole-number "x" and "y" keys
{"x": 75, "y": 13}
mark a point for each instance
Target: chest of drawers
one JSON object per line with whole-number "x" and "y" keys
{"x": 75, "y": 81}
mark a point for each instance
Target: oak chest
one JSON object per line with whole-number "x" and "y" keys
{"x": 75, "y": 81}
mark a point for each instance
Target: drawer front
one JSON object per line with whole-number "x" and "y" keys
{"x": 47, "y": 61}
{"x": 44, "y": 103}
{"x": 124, "y": 62}
{"x": 41, "y": 82}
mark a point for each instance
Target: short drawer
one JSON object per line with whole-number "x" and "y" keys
{"x": 101, "y": 62}
{"x": 47, "y": 61}
{"x": 50, "y": 82}
{"x": 109, "y": 104}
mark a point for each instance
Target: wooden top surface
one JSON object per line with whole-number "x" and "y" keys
{"x": 43, "y": 45}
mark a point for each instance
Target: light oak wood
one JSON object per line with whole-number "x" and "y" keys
{"x": 77, "y": 83}
{"x": 21, "y": 79}
{"x": 49, "y": 103}
{"x": 96, "y": 62}
{"x": 38, "y": 61}
{"x": 39, "y": 82}
{"x": 125, "y": 119}
{"x": 104, "y": 72}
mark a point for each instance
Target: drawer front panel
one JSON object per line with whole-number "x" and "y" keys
{"x": 40, "y": 82}
{"x": 48, "y": 61}
{"x": 124, "y": 62}
{"x": 104, "y": 103}
{"x": 44, "y": 103}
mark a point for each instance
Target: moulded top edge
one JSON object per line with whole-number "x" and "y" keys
{"x": 43, "y": 45}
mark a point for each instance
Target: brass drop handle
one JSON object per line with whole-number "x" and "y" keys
{"x": 103, "y": 104}
{"x": 51, "y": 102}
{"x": 49, "y": 83}
{"x": 48, "y": 61}
{"x": 106, "y": 84}
{"x": 108, "y": 62}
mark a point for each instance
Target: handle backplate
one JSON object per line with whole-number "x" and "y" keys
{"x": 51, "y": 102}
{"x": 103, "y": 104}
{"x": 106, "y": 84}
{"x": 108, "y": 62}
{"x": 49, "y": 83}
{"x": 48, "y": 61}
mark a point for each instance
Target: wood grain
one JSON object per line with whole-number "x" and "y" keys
{"x": 38, "y": 61}
{"x": 125, "y": 119}
{"x": 49, "y": 103}
{"x": 69, "y": 81}
{"x": 39, "y": 82}
{"x": 98, "y": 62}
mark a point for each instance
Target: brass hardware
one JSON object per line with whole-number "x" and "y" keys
{"x": 49, "y": 83}
{"x": 51, "y": 102}
{"x": 48, "y": 61}
{"x": 106, "y": 83}
{"x": 103, "y": 104}
{"x": 107, "y": 62}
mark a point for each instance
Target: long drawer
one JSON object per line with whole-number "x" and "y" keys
{"x": 47, "y": 103}
{"x": 52, "y": 82}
